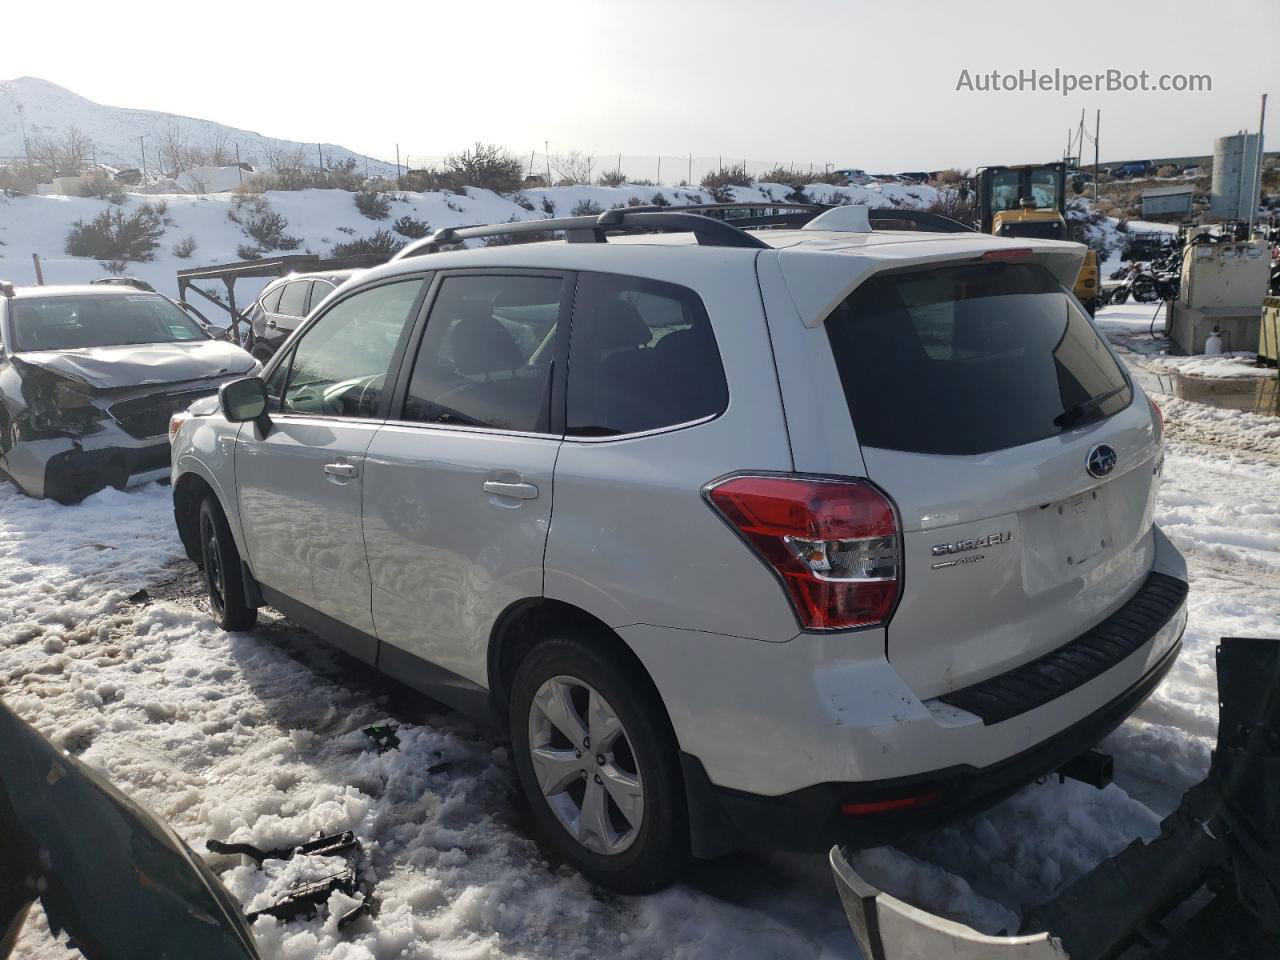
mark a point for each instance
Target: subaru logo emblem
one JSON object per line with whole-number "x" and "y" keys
{"x": 1102, "y": 460}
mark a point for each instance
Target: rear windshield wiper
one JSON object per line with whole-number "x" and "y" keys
{"x": 1080, "y": 410}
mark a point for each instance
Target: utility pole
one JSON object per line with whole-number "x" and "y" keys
{"x": 546, "y": 153}
{"x": 320, "y": 154}
{"x": 690, "y": 180}
{"x": 239, "y": 169}
{"x": 658, "y": 178}
{"x": 397, "y": 164}
{"x": 1255, "y": 187}
{"x": 26, "y": 145}
{"x": 532, "y": 154}
{"x": 143, "y": 147}
{"x": 1097, "y": 127}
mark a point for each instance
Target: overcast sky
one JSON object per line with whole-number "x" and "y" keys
{"x": 854, "y": 83}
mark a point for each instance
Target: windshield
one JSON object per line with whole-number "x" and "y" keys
{"x": 965, "y": 360}
{"x": 77, "y": 322}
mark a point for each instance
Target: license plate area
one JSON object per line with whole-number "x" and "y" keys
{"x": 1064, "y": 538}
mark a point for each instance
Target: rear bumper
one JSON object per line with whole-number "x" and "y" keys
{"x": 810, "y": 819}
{"x": 777, "y": 736}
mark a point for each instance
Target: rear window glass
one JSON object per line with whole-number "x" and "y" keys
{"x": 968, "y": 359}
{"x": 293, "y": 302}
{"x": 642, "y": 356}
{"x": 76, "y": 322}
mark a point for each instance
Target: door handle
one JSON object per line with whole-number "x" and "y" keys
{"x": 520, "y": 491}
{"x": 341, "y": 469}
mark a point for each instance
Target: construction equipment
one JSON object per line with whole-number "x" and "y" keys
{"x": 1030, "y": 200}
{"x": 1207, "y": 886}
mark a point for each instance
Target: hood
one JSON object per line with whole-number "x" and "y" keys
{"x": 139, "y": 364}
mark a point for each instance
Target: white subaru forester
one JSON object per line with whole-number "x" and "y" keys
{"x": 778, "y": 537}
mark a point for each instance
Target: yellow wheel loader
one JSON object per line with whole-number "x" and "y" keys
{"x": 1031, "y": 201}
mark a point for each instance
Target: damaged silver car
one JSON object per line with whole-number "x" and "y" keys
{"x": 89, "y": 376}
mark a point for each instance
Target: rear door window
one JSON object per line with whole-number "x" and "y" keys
{"x": 293, "y": 301}
{"x": 486, "y": 355}
{"x": 271, "y": 299}
{"x": 969, "y": 359}
{"x": 642, "y": 356}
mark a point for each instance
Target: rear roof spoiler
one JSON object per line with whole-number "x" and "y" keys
{"x": 820, "y": 281}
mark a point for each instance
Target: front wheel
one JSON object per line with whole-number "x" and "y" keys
{"x": 598, "y": 763}
{"x": 223, "y": 577}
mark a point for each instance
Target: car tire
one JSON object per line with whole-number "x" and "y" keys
{"x": 223, "y": 575}
{"x": 567, "y": 675}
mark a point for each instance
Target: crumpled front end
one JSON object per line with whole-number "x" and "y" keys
{"x": 68, "y": 440}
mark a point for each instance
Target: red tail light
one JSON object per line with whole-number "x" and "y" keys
{"x": 1157, "y": 415}
{"x": 832, "y": 543}
{"x": 896, "y": 805}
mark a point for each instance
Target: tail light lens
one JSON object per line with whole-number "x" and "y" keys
{"x": 834, "y": 544}
{"x": 1157, "y": 417}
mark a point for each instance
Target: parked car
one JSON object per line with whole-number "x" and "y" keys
{"x": 766, "y": 539}
{"x": 88, "y": 378}
{"x": 282, "y": 306}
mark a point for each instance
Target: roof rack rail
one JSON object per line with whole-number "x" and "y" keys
{"x": 708, "y": 231}
{"x": 124, "y": 282}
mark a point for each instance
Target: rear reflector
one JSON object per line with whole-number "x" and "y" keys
{"x": 1017, "y": 253}
{"x": 896, "y": 805}
{"x": 833, "y": 543}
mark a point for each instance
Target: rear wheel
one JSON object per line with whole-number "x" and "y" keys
{"x": 598, "y": 764}
{"x": 222, "y": 573}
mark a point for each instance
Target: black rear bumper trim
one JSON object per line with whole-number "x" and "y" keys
{"x": 1074, "y": 664}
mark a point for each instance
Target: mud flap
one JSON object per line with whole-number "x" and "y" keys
{"x": 887, "y": 928}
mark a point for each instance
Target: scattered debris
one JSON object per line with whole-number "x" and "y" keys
{"x": 140, "y": 596}
{"x": 384, "y": 737}
{"x": 304, "y": 897}
{"x": 328, "y": 846}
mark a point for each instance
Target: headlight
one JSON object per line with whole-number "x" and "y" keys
{"x": 176, "y": 421}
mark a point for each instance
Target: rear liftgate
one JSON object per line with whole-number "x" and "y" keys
{"x": 1207, "y": 886}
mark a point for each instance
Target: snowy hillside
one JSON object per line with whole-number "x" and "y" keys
{"x": 320, "y": 219}
{"x": 48, "y": 109}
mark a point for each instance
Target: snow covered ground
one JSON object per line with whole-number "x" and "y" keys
{"x": 256, "y": 737}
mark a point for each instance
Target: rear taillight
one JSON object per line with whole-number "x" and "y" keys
{"x": 833, "y": 543}
{"x": 1016, "y": 253}
{"x": 1157, "y": 417}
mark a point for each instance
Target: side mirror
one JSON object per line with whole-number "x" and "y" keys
{"x": 244, "y": 400}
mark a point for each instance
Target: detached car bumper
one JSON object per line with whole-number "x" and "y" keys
{"x": 69, "y": 469}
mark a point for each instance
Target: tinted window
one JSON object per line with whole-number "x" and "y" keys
{"x": 964, "y": 360}
{"x": 485, "y": 358}
{"x": 70, "y": 323}
{"x": 293, "y": 301}
{"x": 641, "y": 356}
{"x": 271, "y": 300}
{"x": 339, "y": 366}
{"x": 319, "y": 290}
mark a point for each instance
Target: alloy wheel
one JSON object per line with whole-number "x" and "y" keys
{"x": 585, "y": 765}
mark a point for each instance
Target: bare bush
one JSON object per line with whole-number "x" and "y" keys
{"x": 955, "y": 203}
{"x": 718, "y": 183}
{"x": 380, "y": 243}
{"x": 586, "y": 208}
{"x": 486, "y": 166}
{"x": 98, "y": 184}
{"x": 373, "y": 204}
{"x": 658, "y": 200}
{"x": 548, "y": 206}
{"x": 612, "y": 178}
{"x": 61, "y": 156}
{"x": 411, "y": 227}
{"x": 261, "y": 223}
{"x": 572, "y": 168}
{"x": 185, "y": 247}
{"x": 113, "y": 236}
{"x": 247, "y": 251}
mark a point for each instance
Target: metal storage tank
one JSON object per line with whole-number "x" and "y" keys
{"x": 1231, "y": 194}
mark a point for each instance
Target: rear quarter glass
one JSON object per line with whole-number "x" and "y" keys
{"x": 968, "y": 359}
